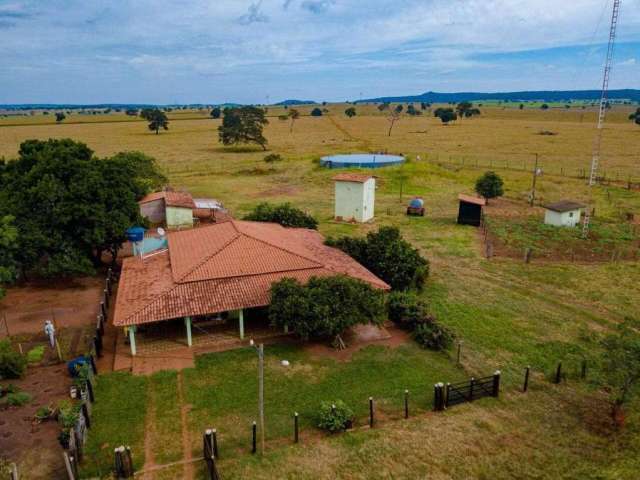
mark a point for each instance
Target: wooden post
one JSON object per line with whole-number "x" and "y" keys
{"x": 447, "y": 390}
{"x": 97, "y": 345}
{"x": 92, "y": 362}
{"x": 214, "y": 434}
{"x": 68, "y": 465}
{"x": 527, "y": 255}
{"x": 583, "y": 370}
{"x": 253, "y": 436}
{"x": 496, "y": 383}
{"x": 371, "y": 413}
{"x": 296, "y": 437}
{"x": 406, "y": 404}
{"x": 525, "y": 387}
{"x": 105, "y": 295}
{"x": 90, "y": 391}
{"x": 436, "y": 397}
{"x": 14, "y": 472}
{"x": 558, "y": 378}
{"x": 103, "y": 309}
{"x": 472, "y": 382}
{"x": 459, "y": 352}
{"x": 85, "y": 414}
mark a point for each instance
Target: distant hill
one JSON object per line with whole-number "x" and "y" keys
{"x": 527, "y": 96}
{"x": 297, "y": 102}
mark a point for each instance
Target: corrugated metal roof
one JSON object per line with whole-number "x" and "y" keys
{"x": 470, "y": 199}
{"x": 564, "y": 206}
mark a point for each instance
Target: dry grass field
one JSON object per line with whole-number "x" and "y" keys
{"x": 509, "y": 314}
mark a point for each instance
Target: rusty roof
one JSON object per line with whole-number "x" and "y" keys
{"x": 564, "y": 206}
{"x": 171, "y": 199}
{"x": 471, "y": 199}
{"x": 352, "y": 177}
{"x": 225, "y": 266}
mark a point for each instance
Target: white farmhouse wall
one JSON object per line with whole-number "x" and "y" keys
{"x": 564, "y": 219}
{"x": 355, "y": 200}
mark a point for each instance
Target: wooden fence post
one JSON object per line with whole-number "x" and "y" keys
{"x": 558, "y": 378}
{"x": 254, "y": 437}
{"x": 103, "y": 309}
{"x": 445, "y": 402}
{"x": 296, "y": 437}
{"x": 406, "y": 404}
{"x": 527, "y": 255}
{"x": 371, "y": 413}
{"x": 92, "y": 362}
{"x": 525, "y": 387}
{"x": 68, "y": 465}
{"x": 496, "y": 384}
{"x": 472, "y": 382}
{"x": 438, "y": 397}
{"x": 583, "y": 370}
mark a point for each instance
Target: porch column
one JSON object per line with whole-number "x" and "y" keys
{"x": 187, "y": 323}
{"x": 286, "y": 328}
{"x": 132, "y": 339}
{"x": 241, "y": 323}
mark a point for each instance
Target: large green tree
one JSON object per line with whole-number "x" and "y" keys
{"x": 635, "y": 116}
{"x": 157, "y": 119}
{"x": 325, "y": 307}
{"x": 388, "y": 255}
{"x": 70, "y": 206}
{"x": 243, "y": 125}
{"x": 445, "y": 115}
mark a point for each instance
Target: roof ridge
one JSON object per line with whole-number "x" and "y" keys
{"x": 208, "y": 257}
{"x": 314, "y": 260}
{"x": 298, "y": 269}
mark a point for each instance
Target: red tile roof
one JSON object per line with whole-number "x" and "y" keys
{"x": 225, "y": 266}
{"x": 171, "y": 199}
{"x": 352, "y": 177}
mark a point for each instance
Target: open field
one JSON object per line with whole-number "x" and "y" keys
{"x": 509, "y": 314}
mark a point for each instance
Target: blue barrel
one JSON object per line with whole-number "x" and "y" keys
{"x": 135, "y": 234}
{"x": 416, "y": 203}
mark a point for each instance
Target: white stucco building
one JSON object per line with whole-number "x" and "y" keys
{"x": 354, "y": 197}
{"x": 564, "y": 213}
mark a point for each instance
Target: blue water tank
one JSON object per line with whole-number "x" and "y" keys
{"x": 416, "y": 203}
{"x": 135, "y": 234}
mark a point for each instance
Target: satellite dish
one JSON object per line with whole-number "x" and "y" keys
{"x": 161, "y": 231}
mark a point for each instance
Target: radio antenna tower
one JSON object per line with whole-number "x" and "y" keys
{"x": 604, "y": 100}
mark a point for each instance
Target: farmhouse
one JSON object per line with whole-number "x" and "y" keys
{"x": 565, "y": 213}
{"x": 225, "y": 268}
{"x": 354, "y": 197}
{"x": 178, "y": 209}
{"x": 470, "y": 210}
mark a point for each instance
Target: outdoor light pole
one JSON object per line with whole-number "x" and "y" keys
{"x": 260, "y": 349}
{"x": 533, "y": 186}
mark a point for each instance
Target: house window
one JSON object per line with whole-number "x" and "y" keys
{"x": 570, "y": 214}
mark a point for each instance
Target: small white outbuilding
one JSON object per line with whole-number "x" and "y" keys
{"x": 354, "y": 197}
{"x": 565, "y": 213}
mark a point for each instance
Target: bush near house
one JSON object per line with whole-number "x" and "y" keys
{"x": 389, "y": 256}
{"x": 285, "y": 214}
{"x": 12, "y": 364}
{"x": 325, "y": 307}
{"x": 335, "y": 416}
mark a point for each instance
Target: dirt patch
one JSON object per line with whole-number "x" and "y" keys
{"x": 34, "y": 447}
{"x": 388, "y": 335}
{"x": 278, "y": 191}
{"x": 68, "y": 303}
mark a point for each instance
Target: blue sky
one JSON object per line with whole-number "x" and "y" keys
{"x": 214, "y": 51}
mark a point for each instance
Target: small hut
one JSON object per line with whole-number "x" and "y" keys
{"x": 565, "y": 213}
{"x": 470, "y": 210}
{"x": 354, "y": 197}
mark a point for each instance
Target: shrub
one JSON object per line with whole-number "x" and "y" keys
{"x": 490, "y": 185}
{"x": 386, "y": 254}
{"x": 325, "y": 307}
{"x": 285, "y": 214}
{"x": 335, "y": 416}
{"x": 430, "y": 334}
{"x": 272, "y": 157}
{"x": 18, "y": 399}
{"x": 68, "y": 414}
{"x": 12, "y": 364}
{"x": 405, "y": 309}
{"x": 316, "y": 112}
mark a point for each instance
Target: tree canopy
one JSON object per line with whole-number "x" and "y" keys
{"x": 8, "y": 248}
{"x": 243, "y": 125}
{"x": 60, "y": 117}
{"x": 635, "y": 116}
{"x": 466, "y": 109}
{"x": 285, "y": 214}
{"x": 490, "y": 185}
{"x": 350, "y": 112}
{"x": 389, "y": 256}
{"x": 411, "y": 110}
{"x": 325, "y": 307}
{"x": 293, "y": 115}
{"x": 445, "y": 115}
{"x": 216, "y": 112}
{"x": 316, "y": 112}
{"x": 69, "y": 206}
{"x": 157, "y": 119}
